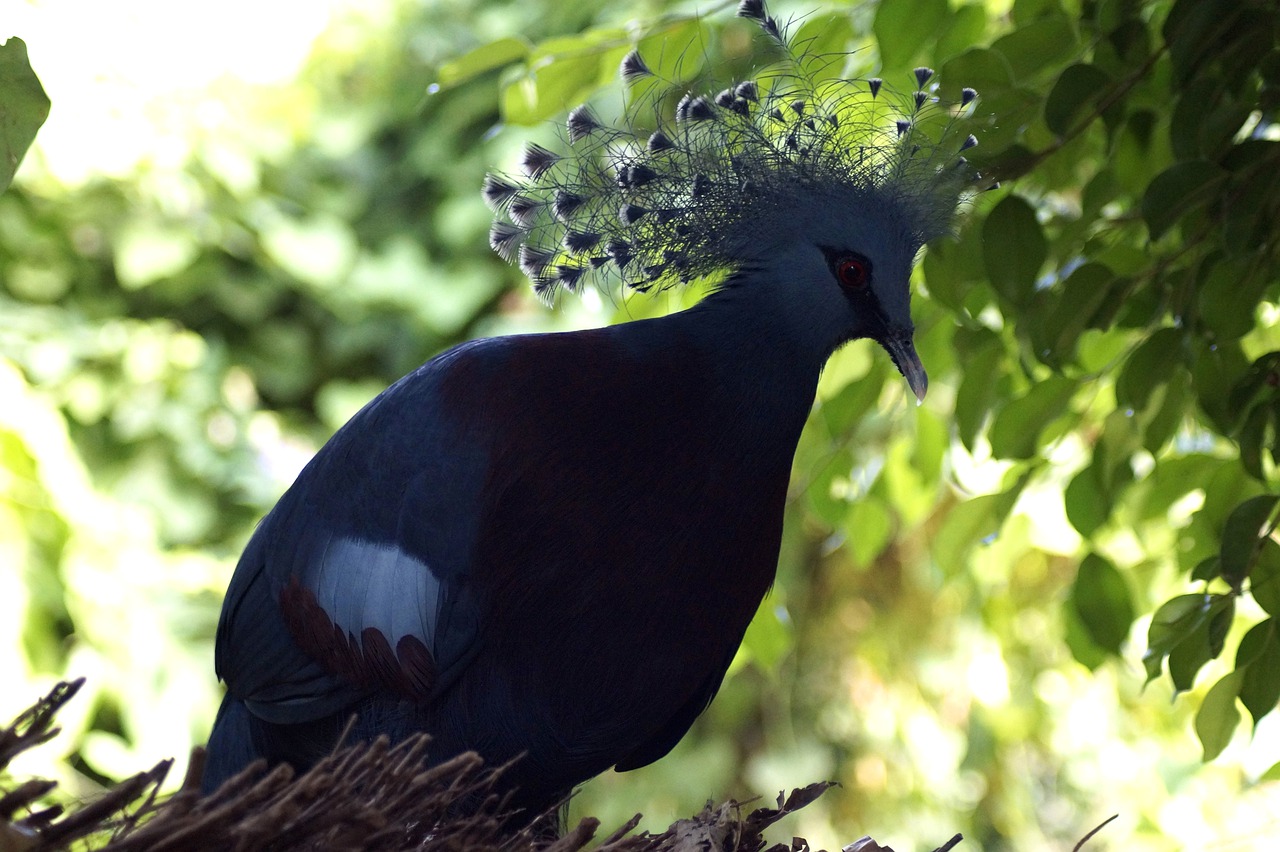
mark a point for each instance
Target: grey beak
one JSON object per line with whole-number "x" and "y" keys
{"x": 903, "y": 353}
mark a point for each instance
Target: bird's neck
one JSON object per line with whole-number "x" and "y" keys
{"x": 763, "y": 341}
{"x": 761, "y": 372}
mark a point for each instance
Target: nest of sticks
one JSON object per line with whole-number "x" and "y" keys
{"x": 373, "y": 797}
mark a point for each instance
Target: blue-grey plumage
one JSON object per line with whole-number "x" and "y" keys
{"x": 551, "y": 545}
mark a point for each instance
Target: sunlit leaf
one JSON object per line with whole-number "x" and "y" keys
{"x": 485, "y": 58}
{"x": 1218, "y": 716}
{"x": 965, "y": 29}
{"x": 768, "y": 636}
{"x": 903, "y": 27}
{"x": 854, "y": 401}
{"x": 828, "y": 491}
{"x": 869, "y": 526}
{"x": 23, "y": 107}
{"x": 1171, "y": 415}
{"x": 825, "y": 39}
{"x": 975, "y": 520}
{"x": 1015, "y": 433}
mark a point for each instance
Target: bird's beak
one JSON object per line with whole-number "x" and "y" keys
{"x": 903, "y": 353}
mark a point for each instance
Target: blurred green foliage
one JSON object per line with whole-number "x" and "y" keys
{"x": 971, "y": 593}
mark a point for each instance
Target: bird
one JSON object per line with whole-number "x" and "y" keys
{"x": 546, "y": 548}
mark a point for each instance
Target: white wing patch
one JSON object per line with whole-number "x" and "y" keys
{"x": 398, "y": 594}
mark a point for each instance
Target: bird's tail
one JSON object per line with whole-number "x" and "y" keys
{"x": 231, "y": 744}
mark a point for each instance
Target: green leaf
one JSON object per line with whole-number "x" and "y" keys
{"x": 1085, "y": 651}
{"x": 828, "y": 493}
{"x": 903, "y": 27}
{"x": 1114, "y": 449}
{"x": 929, "y": 446}
{"x": 1038, "y": 45}
{"x": 1176, "y": 190}
{"x": 1256, "y": 390}
{"x": 1150, "y": 365}
{"x": 1171, "y": 480}
{"x": 988, "y": 72}
{"x": 487, "y": 57}
{"x": 1204, "y": 643}
{"x": 979, "y": 386}
{"x": 972, "y": 521}
{"x": 968, "y": 23}
{"x": 1240, "y": 537}
{"x": 768, "y": 637}
{"x": 23, "y": 107}
{"x": 1223, "y": 492}
{"x": 1216, "y": 369}
{"x": 1190, "y": 114}
{"x": 1138, "y": 152}
{"x": 1083, "y": 292}
{"x": 1078, "y": 87}
{"x": 985, "y": 70}
{"x": 1191, "y": 29}
{"x": 1251, "y": 436}
{"x": 952, "y": 270}
{"x": 1170, "y": 416}
{"x": 1015, "y": 434}
{"x": 1218, "y": 716}
{"x": 1087, "y": 504}
{"x": 1253, "y": 214}
{"x": 1209, "y": 568}
{"x": 1013, "y": 248}
{"x": 1259, "y": 658}
{"x": 674, "y": 51}
{"x": 1183, "y": 624}
{"x": 826, "y": 39}
{"x": 868, "y": 526}
{"x": 563, "y": 72}
{"x": 845, "y": 409}
{"x": 1229, "y": 292}
{"x": 1100, "y": 597}
{"x": 1264, "y": 578}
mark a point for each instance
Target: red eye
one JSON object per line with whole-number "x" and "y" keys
{"x": 853, "y": 272}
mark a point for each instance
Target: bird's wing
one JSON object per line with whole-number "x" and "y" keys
{"x": 353, "y": 583}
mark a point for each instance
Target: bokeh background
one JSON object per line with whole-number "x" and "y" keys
{"x": 243, "y": 220}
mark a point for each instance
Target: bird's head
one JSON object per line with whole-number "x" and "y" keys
{"x": 835, "y": 268}
{"x": 820, "y": 192}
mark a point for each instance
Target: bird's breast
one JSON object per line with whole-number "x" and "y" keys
{"x": 632, "y": 527}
